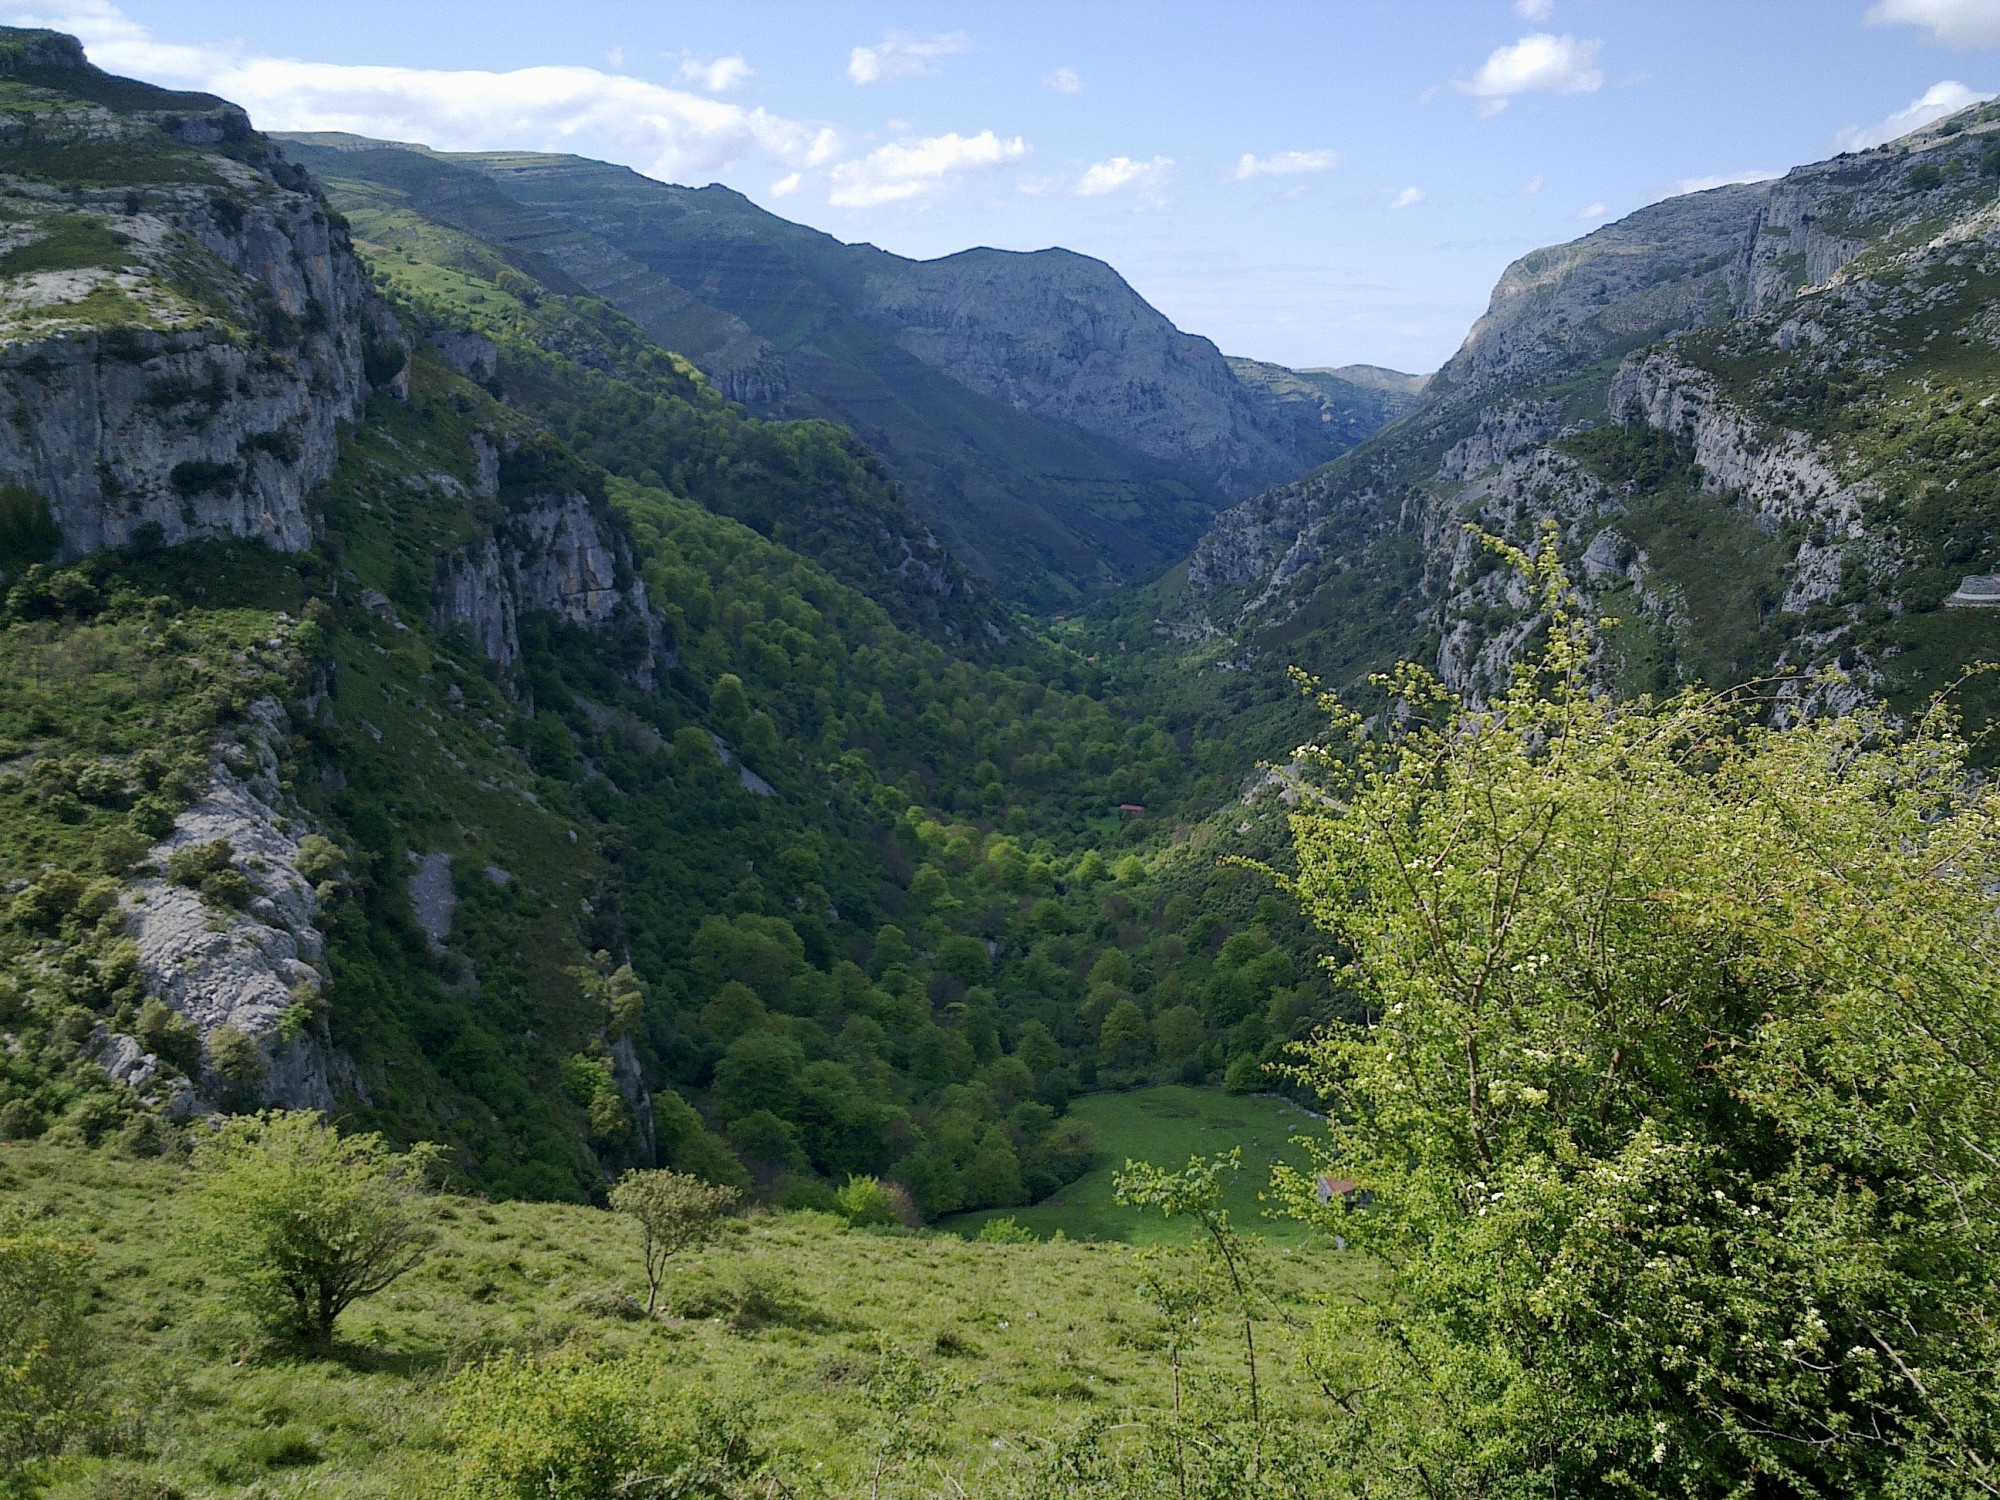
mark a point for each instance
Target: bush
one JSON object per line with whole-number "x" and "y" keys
{"x": 28, "y": 533}
{"x": 197, "y": 864}
{"x": 302, "y": 1221}
{"x": 20, "y": 1120}
{"x": 200, "y": 477}
{"x": 1007, "y": 1231}
{"x": 42, "y": 906}
{"x": 526, "y": 1430}
{"x": 1246, "y": 1074}
{"x": 1695, "y": 1193}
{"x": 234, "y": 1058}
{"x": 169, "y": 1036}
{"x": 865, "y": 1201}
{"x": 48, "y": 1359}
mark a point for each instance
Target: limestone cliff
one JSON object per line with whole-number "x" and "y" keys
{"x": 1064, "y": 336}
{"x": 254, "y": 969}
{"x": 550, "y": 550}
{"x": 180, "y": 339}
{"x": 1757, "y": 418}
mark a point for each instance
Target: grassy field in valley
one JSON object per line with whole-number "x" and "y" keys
{"x": 1166, "y": 1125}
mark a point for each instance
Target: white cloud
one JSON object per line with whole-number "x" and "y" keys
{"x": 1064, "y": 81}
{"x": 904, "y": 170}
{"x": 1537, "y": 64}
{"x": 900, "y": 55}
{"x": 1937, "y": 101}
{"x": 1703, "y": 184}
{"x": 1592, "y": 211}
{"x": 1959, "y": 24}
{"x": 1534, "y": 185}
{"x": 718, "y": 75}
{"x": 1534, "y": 10}
{"x": 1283, "y": 164}
{"x": 616, "y": 57}
{"x": 1410, "y": 197}
{"x": 665, "y": 132}
{"x": 787, "y": 185}
{"x": 1123, "y": 172}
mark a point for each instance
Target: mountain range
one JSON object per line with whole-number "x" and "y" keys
{"x": 522, "y": 655}
{"x": 1757, "y": 419}
{"x": 1055, "y": 429}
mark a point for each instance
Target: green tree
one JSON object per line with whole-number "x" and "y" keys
{"x": 302, "y": 1221}
{"x": 48, "y": 1357}
{"x": 675, "y": 1213}
{"x": 1178, "y": 1033}
{"x": 1679, "y": 1113}
{"x": 866, "y": 1201}
{"x": 993, "y": 1176}
{"x": 1125, "y": 1038}
{"x": 965, "y": 958}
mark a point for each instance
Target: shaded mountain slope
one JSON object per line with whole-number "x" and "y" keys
{"x": 488, "y": 274}
{"x": 1059, "y": 432}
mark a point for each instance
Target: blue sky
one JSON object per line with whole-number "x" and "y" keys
{"x": 1312, "y": 183}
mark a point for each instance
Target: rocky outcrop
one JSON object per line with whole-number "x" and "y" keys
{"x": 1774, "y": 474}
{"x": 239, "y": 968}
{"x": 177, "y": 353}
{"x": 552, "y": 551}
{"x": 1669, "y": 266}
{"x": 1504, "y": 429}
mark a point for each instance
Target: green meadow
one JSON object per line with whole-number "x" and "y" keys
{"x": 785, "y": 1318}
{"x": 1166, "y": 1125}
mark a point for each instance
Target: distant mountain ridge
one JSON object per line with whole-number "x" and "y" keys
{"x": 1059, "y": 432}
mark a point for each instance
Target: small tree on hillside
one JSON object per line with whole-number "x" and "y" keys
{"x": 48, "y": 1360}
{"x": 303, "y": 1221}
{"x": 675, "y": 1213}
{"x": 1195, "y": 1193}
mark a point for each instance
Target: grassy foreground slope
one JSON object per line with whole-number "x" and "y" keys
{"x": 787, "y": 1314}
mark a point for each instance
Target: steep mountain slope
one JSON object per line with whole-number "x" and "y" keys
{"x": 1755, "y": 415}
{"x": 484, "y": 273}
{"x": 410, "y": 708}
{"x": 1055, "y": 428}
{"x": 1345, "y": 405}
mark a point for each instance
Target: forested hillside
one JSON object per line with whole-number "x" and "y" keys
{"x": 546, "y": 858}
{"x": 522, "y": 747}
{"x": 1060, "y": 433}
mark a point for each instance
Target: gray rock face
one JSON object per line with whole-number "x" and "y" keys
{"x": 187, "y": 376}
{"x": 1670, "y": 266}
{"x": 1504, "y": 429}
{"x": 1776, "y": 476}
{"x": 1061, "y": 335}
{"x": 551, "y": 552}
{"x": 242, "y": 969}
{"x": 1741, "y": 309}
{"x": 432, "y": 897}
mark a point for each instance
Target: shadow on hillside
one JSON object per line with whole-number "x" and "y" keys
{"x": 755, "y": 1301}
{"x": 367, "y": 1359}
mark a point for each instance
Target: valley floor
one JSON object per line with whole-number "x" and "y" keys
{"x": 788, "y": 1315}
{"x": 1166, "y": 1125}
